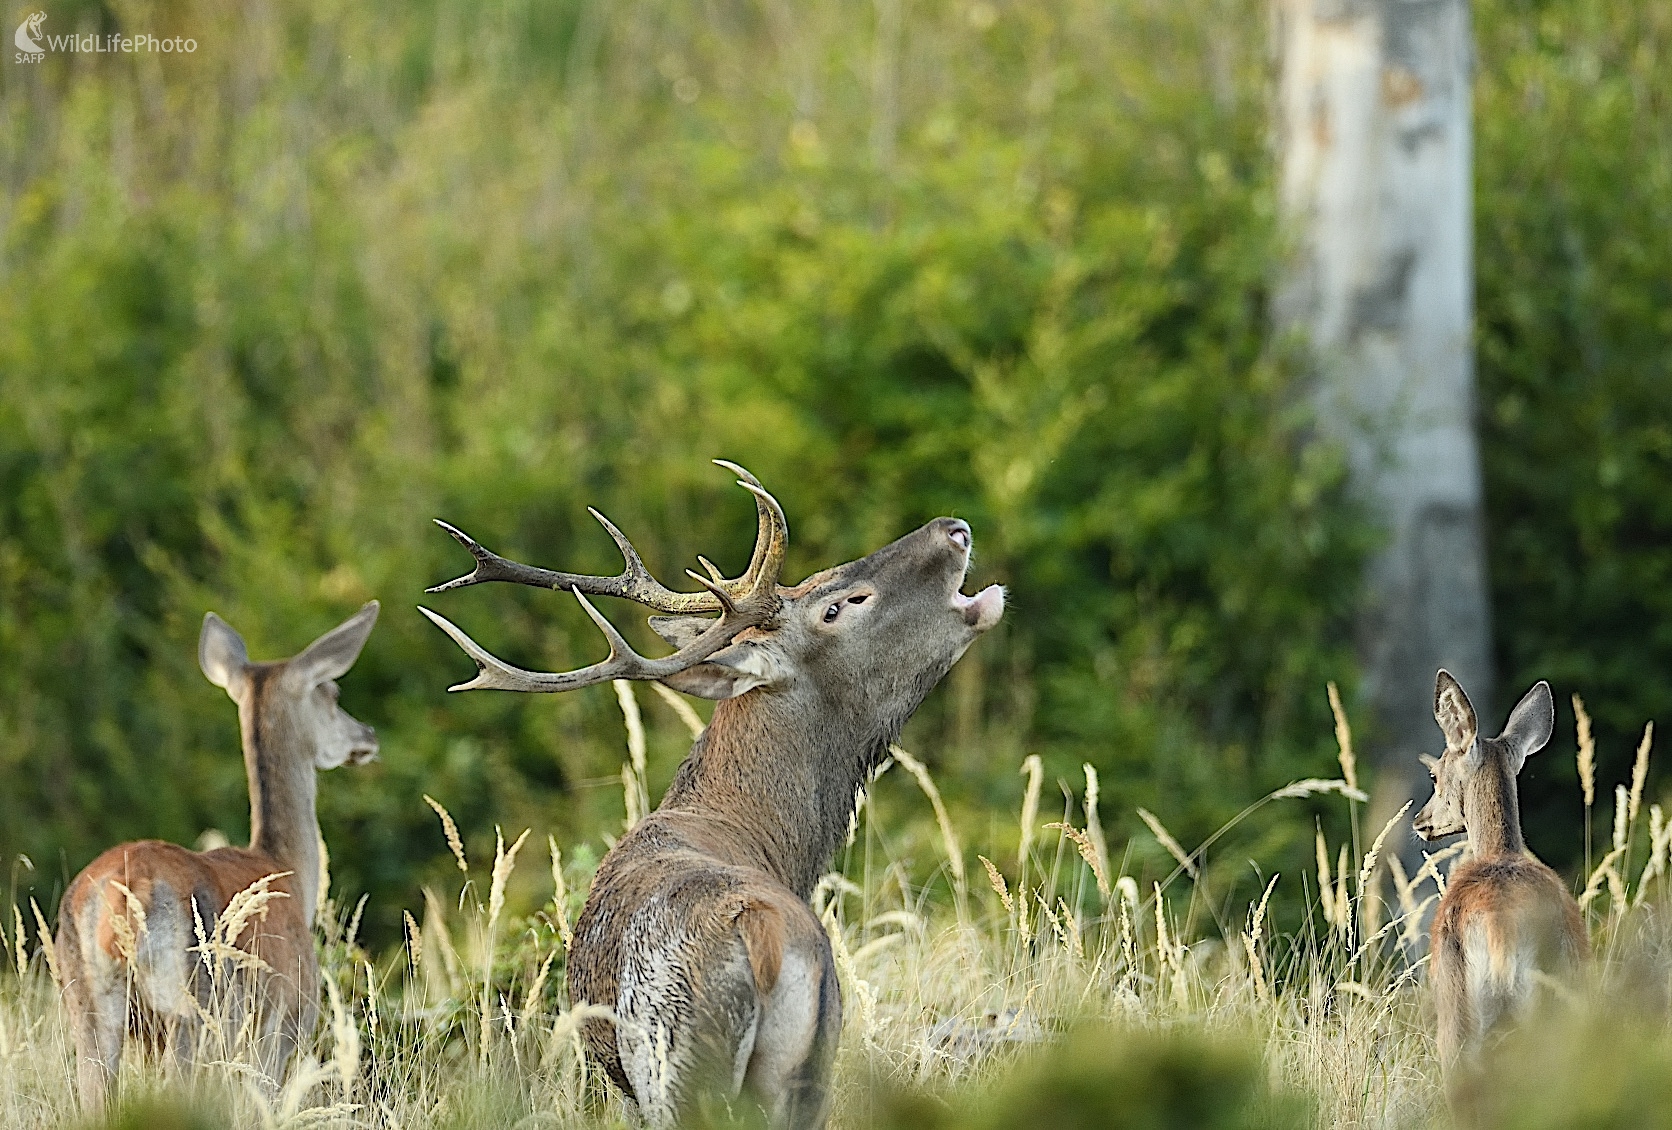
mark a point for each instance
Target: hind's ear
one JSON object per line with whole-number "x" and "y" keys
{"x": 1454, "y": 712}
{"x": 331, "y": 655}
{"x": 221, "y": 654}
{"x": 1531, "y": 723}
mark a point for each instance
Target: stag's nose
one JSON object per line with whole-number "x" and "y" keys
{"x": 958, "y": 531}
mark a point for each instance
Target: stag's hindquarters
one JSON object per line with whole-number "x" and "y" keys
{"x": 132, "y": 961}
{"x": 1506, "y": 925}
{"x": 722, "y": 982}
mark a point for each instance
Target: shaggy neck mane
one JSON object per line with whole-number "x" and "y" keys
{"x": 789, "y": 777}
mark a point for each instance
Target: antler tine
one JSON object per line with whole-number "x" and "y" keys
{"x": 493, "y": 673}
{"x": 637, "y": 584}
{"x": 727, "y": 604}
{"x": 746, "y": 602}
{"x": 767, "y": 511}
{"x": 634, "y": 582}
{"x": 619, "y": 647}
{"x": 485, "y": 560}
{"x": 629, "y": 554}
{"x": 739, "y": 471}
{"x": 772, "y": 544}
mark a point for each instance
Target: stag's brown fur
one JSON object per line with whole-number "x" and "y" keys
{"x": 138, "y": 967}
{"x": 698, "y": 934}
{"x": 1506, "y": 919}
{"x": 698, "y": 930}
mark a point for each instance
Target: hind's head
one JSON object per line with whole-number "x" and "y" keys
{"x": 295, "y": 698}
{"x": 1457, "y": 771}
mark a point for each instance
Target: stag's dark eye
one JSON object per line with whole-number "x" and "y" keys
{"x": 835, "y": 610}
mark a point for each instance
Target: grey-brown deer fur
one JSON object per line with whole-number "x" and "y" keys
{"x": 1506, "y": 921}
{"x": 162, "y": 983}
{"x": 698, "y": 933}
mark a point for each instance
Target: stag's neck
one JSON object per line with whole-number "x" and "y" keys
{"x": 788, "y": 785}
{"x": 1492, "y": 811}
{"x": 284, "y": 824}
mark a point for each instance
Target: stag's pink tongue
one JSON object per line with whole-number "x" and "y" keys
{"x": 982, "y": 610}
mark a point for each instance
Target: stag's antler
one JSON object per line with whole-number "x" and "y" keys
{"x": 745, "y": 602}
{"x": 634, "y": 582}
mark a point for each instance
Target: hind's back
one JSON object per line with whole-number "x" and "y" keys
{"x": 1518, "y": 908}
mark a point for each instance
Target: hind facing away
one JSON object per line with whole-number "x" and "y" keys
{"x": 697, "y": 932}
{"x": 129, "y": 959}
{"x": 1506, "y": 919}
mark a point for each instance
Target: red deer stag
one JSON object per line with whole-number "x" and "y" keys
{"x": 1506, "y": 919}
{"x": 698, "y": 934}
{"x": 133, "y": 926}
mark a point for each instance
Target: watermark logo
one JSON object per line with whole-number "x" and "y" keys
{"x": 33, "y": 45}
{"x": 25, "y": 39}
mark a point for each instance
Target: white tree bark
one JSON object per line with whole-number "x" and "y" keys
{"x": 1374, "y": 106}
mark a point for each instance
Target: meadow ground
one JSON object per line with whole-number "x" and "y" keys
{"x": 1040, "y": 986}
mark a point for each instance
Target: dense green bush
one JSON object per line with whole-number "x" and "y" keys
{"x": 1102, "y": 1077}
{"x": 273, "y": 306}
{"x": 1574, "y": 202}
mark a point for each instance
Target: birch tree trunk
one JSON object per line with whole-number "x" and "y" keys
{"x": 1374, "y": 107}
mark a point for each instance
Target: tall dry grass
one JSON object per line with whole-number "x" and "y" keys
{"x": 951, "y": 973}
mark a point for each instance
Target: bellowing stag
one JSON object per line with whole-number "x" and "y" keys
{"x": 698, "y": 933}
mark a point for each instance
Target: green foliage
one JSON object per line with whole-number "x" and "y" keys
{"x": 159, "y": 1113}
{"x": 272, "y": 306}
{"x": 1101, "y": 1077}
{"x": 1574, "y": 200}
{"x": 1602, "y": 1070}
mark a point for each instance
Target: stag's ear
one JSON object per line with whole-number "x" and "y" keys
{"x": 1454, "y": 712}
{"x": 1530, "y": 723}
{"x": 681, "y": 631}
{"x": 331, "y": 655}
{"x": 221, "y": 654}
{"x": 731, "y": 671}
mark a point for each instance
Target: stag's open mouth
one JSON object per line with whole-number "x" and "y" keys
{"x": 982, "y": 610}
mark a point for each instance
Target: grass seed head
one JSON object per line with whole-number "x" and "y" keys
{"x": 414, "y": 940}
{"x": 504, "y": 862}
{"x": 693, "y": 721}
{"x": 450, "y": 830}
{"x": 1167, "y": 841}
{"x": 999, "y": 886}
{"x": 1374, "y": 854}
{"x": 1343, "y": 739}
{"x": 560, "y": 891}
{"x": 1587, "y": 756}
{"x": 48, "y": 950}
{"x": 949, "y": 838}
{"x": 20, "y": 948}
{"x": 1034, "y": 769}
{"x": 1640, "y": 772}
